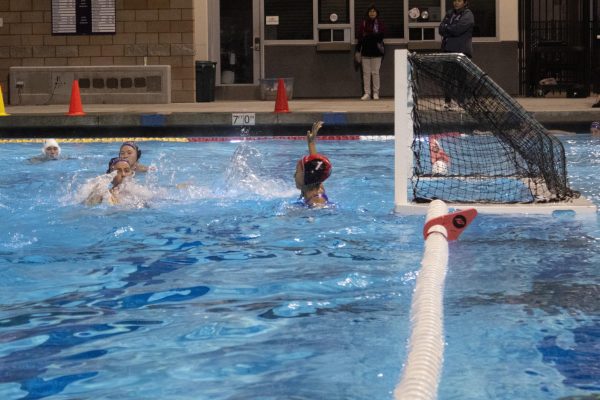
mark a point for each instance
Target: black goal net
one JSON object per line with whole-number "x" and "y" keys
{"x": 473, "y": 143}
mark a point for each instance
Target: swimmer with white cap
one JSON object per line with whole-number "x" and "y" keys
{"x": 50, "y": 151}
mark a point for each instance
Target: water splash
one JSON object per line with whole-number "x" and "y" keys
{"x": 246, "y": 175}
{"x": 97, "y": 191}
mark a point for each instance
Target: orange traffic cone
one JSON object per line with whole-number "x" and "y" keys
{"x": 2, "y": 110}
{"x": 281, "y": 103}
{"x": 75, "y": 108}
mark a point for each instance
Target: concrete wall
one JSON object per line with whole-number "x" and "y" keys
{"x": 332, "y": 74}
{"x": 158, "y": 31}
{"x": 201, "y": 29}
{"x": 508, "y": 16}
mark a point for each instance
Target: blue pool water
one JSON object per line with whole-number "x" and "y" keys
{"x": 220, "y": 287}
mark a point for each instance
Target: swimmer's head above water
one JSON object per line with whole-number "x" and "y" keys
{"x": 311, "y": 170}
{"x": 51, "y": 149}
{"x": 595, "y": 128}
{"x": 130, "y": 151}
{"x": 123, "y": 169}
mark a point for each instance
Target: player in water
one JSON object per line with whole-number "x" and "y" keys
{"x": 311, "y": 171}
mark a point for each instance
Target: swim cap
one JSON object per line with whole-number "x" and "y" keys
{"x": 50, "y": 143}
{"x": 595, "y": 125}
{"x": 439, "y": 168}
{"x": 317, "y": 169}
{"x": 113, "y": 161}
{"x": 135, "y": 146}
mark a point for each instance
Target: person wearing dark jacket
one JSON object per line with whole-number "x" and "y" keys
{"x": 370, "y": 42}
{"x": 457, "y": 32}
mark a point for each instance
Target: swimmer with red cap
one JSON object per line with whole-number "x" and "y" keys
{"x": 311, "y": 171}
{"x": 440, "y": 161}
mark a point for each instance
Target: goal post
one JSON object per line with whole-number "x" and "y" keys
{"x": 460, "y": 138}
{"x": 403, "y": 128}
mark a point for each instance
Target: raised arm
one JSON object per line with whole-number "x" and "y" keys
{"x": 311, "y": 137}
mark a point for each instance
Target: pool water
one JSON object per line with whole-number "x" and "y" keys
{"x": 219, "y": 286}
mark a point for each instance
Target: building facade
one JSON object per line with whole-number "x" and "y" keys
{"x": 313, "y": 42}
{"x": 252, "y": 41}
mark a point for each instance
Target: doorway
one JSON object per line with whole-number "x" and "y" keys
{"x": 239, "y": 42}
{"x": 558, "y": 44}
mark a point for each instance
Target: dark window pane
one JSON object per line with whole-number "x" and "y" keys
{"x": 428, "y": 33}
{"x": 324, "y": 35}
{"x": 391, "y": 13}
{"x": 295, "y": 20}
{"x": 338, "y": 7}
{"x": 338, "y": 35}
{"x": 415, "y": 34}
{"x": 484, "y": 12}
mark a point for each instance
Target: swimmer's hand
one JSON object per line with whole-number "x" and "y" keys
{"x": 312, "y": 134}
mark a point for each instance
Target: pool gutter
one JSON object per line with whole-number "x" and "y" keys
{"x": 346, "y": 116}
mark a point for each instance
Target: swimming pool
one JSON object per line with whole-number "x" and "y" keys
{"x": 220, "y": 287}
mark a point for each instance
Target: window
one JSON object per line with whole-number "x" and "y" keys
{"x": 333, "y": 22}
{"x": 484, "y": 12}
{"x": 295, "y": 19}
{"x": 83, "y": 17}
{"x": 390, "y": 11}
{"x": 334, "y": 11}
{"x": 429, "y": 10}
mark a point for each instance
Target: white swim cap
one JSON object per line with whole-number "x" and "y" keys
{"x": 439, "y": 168}
{"x": 50, "y": 143}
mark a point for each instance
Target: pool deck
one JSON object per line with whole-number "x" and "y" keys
{"x": 556, "y": 113}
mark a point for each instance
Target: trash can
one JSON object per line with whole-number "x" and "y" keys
{"x": 205, "y": 81}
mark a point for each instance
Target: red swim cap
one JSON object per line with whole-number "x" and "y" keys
{"x": 317, "y": 168}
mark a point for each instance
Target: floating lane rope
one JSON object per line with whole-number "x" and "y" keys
{"x": 201, "y": 139}
{"x": 421, "y": 374}
{"x": 99, "y": 140}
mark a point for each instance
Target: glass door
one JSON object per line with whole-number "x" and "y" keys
{"x": 240, "y": 48}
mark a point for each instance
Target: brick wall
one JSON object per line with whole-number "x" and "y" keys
{"x": 160, "y": 30}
